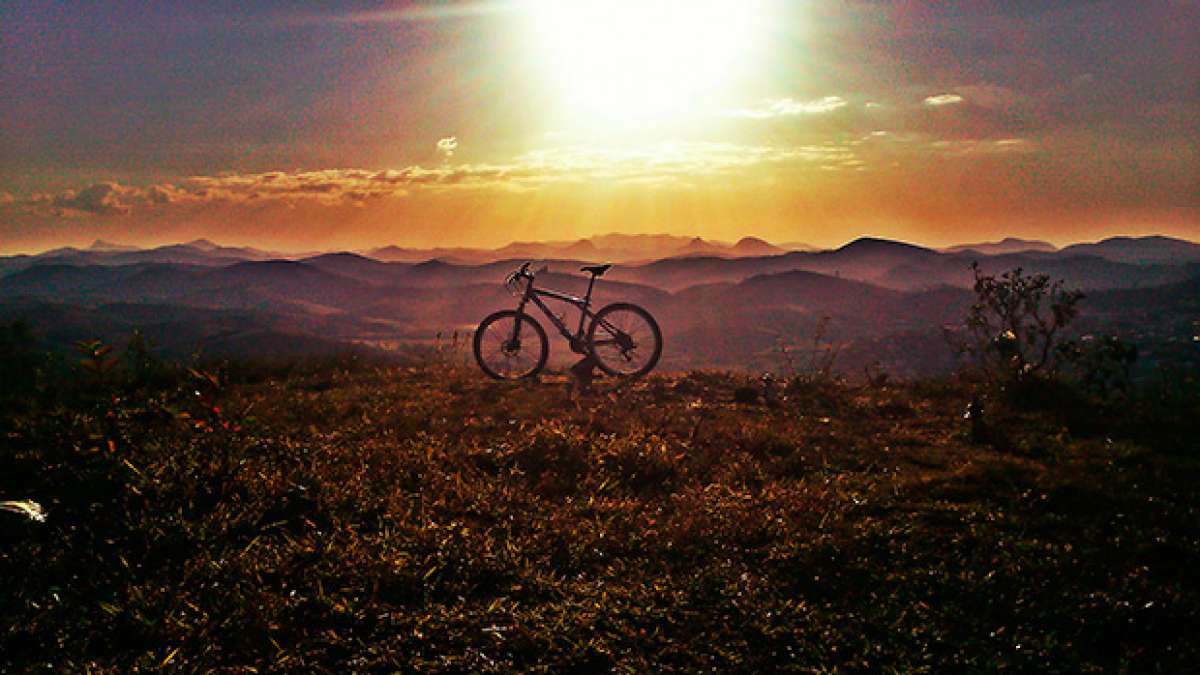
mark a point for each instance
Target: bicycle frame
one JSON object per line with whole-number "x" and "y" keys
{"x": 535, "y": 296}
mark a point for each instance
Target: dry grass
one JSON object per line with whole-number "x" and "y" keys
{"x": 428, "y": 520}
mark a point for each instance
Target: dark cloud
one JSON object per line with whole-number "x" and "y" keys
{"x": 103, "y": 199}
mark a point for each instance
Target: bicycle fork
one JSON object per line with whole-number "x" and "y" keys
{"x": 514, "y": 342}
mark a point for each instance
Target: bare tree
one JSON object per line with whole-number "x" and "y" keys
{"x": 1016, "y": 323}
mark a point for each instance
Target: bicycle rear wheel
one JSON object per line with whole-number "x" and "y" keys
{"x": 625, "y": 340}
{"x": 505, "y": 353}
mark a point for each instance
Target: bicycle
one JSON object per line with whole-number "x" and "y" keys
{"x": 622, "y": 338}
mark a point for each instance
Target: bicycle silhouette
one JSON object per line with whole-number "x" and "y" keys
{"x": 622, "y": 339}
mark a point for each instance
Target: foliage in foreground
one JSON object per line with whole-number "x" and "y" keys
{"x": 425, "y": 519}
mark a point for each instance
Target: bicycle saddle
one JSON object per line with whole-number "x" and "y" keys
{"x": 596, "y": 270}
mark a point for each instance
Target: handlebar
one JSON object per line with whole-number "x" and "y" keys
{"x": 522, "y": 273}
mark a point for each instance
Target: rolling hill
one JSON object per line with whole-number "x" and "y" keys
{"x": 1006, "y": 245}
{"x": 1140, "y": 250}
{"x": 879, "y": 300}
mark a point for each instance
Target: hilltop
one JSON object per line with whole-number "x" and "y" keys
{"x": 349, "y": 517}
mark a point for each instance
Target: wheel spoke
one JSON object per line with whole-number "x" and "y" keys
{"x": 501, "y": 357}
{"x": 623, "y": 327}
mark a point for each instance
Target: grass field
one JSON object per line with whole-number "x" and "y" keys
{"x": 427, "y": 520}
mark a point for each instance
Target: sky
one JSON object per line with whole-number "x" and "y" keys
{"x": 304, "y": 126}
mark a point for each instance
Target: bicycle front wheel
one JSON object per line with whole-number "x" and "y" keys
{"x": 625, "y": 340}
{"x": 509, "y": 346}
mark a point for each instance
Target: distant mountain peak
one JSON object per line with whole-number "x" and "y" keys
{"x": 108, "y": 246}
{"x": 583, "y": 246}
{"x": 202, "y": 244}
{"x": 880, "y": 244}
{"x": 387, "y": 251}
{"x": 433, "y": 264}
{"x": 1006, "y": 245}
{"x": 698, "y": 244}
{"x": 753, "y": 246}
{"x": 339, "y": 255}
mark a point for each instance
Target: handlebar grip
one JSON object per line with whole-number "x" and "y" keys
{"x": 521, "y": 273}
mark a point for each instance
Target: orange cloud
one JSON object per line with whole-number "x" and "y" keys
{"x": 667, "y": 163}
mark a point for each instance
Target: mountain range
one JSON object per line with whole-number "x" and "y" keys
{"x": 1006, "y": 245}
{"x": 621, "y": 248}
{"x": 728, "y": 305}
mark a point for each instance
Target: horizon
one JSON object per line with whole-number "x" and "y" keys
{"x": 95, "y": 244}
{"x": 475, "y": 124}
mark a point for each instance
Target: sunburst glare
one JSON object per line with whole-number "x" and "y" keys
{"x": 611, "y": 63}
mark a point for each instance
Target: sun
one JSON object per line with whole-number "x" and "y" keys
{"x": 616, "y": 61}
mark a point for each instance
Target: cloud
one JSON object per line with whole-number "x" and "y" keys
{"x": 100, "y": 199}
{"x": 675, "y": 162}
{"x": 786, "y": 107}
{"x": 329, "y": 187}
{"x": 440, "y": 11}
{"x": 990, "y": 96}
{"x": 943, "y": 99}
{"x": 581, "y": 163}
{"x": 968, "y": 147}
{"x": 164, "y": 193}
{"x": 407, "y": 12}
{"x": 666, "y": 163}
{"x": 447, "y": 146}
{"x": 978, "y": 111}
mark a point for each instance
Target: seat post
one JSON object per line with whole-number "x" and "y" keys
{"x": 588, "y": 297}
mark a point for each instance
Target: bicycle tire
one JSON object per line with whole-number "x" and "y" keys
{"x": 605, "y": 357}
{"x": 490, "y": 336}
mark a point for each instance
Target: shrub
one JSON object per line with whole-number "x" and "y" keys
{"x": 1100, "y": 365}
{"x": 814, "y": 363}
{"x": 1015, "y": 327}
